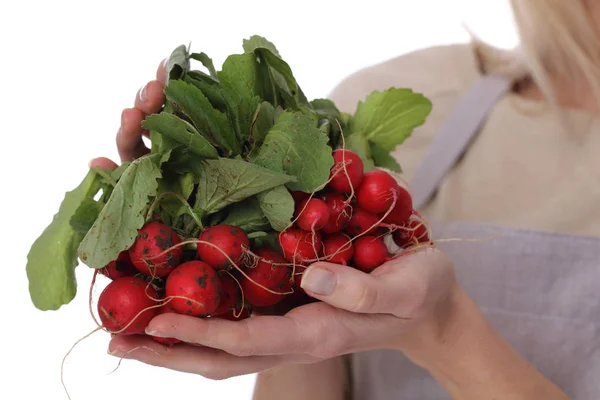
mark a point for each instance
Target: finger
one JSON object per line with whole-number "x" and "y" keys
{"x": 314, "y": 332}
{"x": 129, "y": 137}
{"x": 311, "y": 332}
{"x": 103, "y": 162}
{"x": 150, "y": 98}
{"x": 262, "y": 335}
{"x": 161, "y": 72}
{"x": 399, "y": 287}
{"x": 210, "y": 363}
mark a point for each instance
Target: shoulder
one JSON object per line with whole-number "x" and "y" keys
{"x": 442, "y": 73}
{"x": 434, "y": 71}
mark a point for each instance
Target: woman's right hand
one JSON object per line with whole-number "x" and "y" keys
{"x": 404, "y": 304}
{"x": 148, "y": 100}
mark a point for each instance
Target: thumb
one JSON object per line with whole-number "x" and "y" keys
{"x": 398, "y": 287}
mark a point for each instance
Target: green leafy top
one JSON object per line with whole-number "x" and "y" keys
{"x": 257, "y": 42}
{"x": 228, "y": 146}
{"x": 117, "y": 224}
{"x": 53, "y": 256}
{"x": 207, "y": 62}
{"x": 178, "y": 63}
{"x": 295, "y": 145}
{"x": 389, "y": 117}
{"x": 226, "y": 181}
{"x": 210, "y": 122}
{"x": 241, "y": 83}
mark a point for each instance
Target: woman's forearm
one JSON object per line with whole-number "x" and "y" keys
{"x": 472, "y": 362}
{"x": 320, "y": 381}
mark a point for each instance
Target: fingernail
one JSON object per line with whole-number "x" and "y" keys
{"x": 123, "y": 115}
{"x": 165, "y": 61}
{"x": 143, "y": 93}
{"x": 113, "y": 352}
{"x": 153, "y": 333}
{"x": 319, "y": 281}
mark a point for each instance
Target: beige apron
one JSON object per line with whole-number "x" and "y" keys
{"x": 541, "y": 291}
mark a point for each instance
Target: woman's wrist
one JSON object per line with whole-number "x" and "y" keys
{"x": 463, "y": 352}
{"x": 451, "y": 338}
{"x": 440, "y": 332}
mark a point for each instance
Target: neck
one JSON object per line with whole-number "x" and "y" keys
{"x": 566, "y": 95}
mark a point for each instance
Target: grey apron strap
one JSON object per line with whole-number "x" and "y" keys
{"x": 455, "y": 136}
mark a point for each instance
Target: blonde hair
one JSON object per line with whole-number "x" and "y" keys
{"x": 558, "y": 41}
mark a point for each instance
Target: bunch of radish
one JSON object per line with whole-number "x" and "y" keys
{"x": 246, "y": 185}
{"x": 221, "y": 275}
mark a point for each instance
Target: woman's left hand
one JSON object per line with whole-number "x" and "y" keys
{"x": 148, "y": 100}
{"x": 403, "y": 303}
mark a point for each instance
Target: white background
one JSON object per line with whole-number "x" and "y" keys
{"x": 69, "y": 68}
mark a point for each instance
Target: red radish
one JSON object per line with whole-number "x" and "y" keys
{"x": 153, "y": 239}
{"x": 299, "y": 294}
{"x": 270, "y": 273}
{"x": 232, "y": 240}
{"x": 300, "y": 246}
{"x": 166, "y": 341}
{"x": 377, "y": 191}
{"x": 402, "y": 210}
{"x": 230, "y": 295}
{"x": 123, "y": 301}
{"x": 120, "y": 267}
{"x": 231, "y": 315}
{"x": 351, "y": 177}
{"x": 299, "y": 196}
{"x": 338, "y": 248}
{"x": 195, "y": 289}
{"x": 369, "y": 253}
{"x": 415, "y": 232}
{"x": 340, "y": 212}
{"x": 361, "y": 221}
{"x": 312, "y": 214}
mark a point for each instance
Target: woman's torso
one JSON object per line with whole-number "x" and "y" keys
{"x": 523, "y": 177}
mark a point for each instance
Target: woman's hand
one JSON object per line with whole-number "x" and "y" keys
{"x": 404, "y": 302}
{"x": 148, "y": 100}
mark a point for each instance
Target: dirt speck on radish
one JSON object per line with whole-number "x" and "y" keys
{"x": 146, "y": 252}
{"x": 194, "y": 288}
{"x": 124, "y": 306}
{"x": 362, "y": 221}
{"x": 231, "y": 297}
{"x": 120, "y": 267}
{"x": 224, "y": 240}
{"x": 271, "y": 274}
